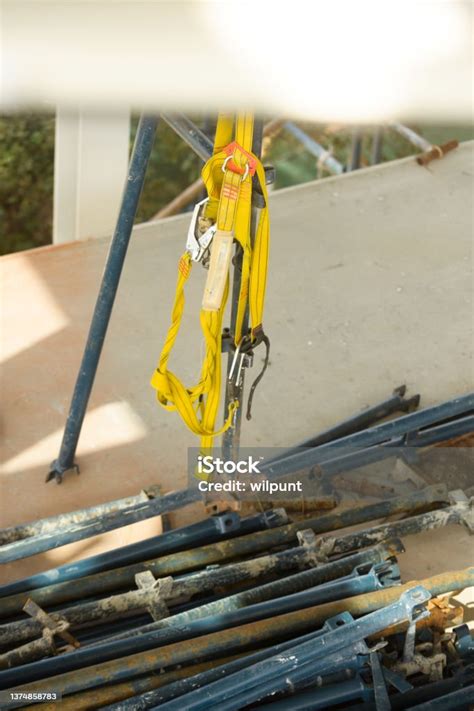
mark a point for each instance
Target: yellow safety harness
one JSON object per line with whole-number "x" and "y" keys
{"x": 228, "y": 176}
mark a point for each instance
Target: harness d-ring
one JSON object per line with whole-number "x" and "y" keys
{"x": 243, "y": 173}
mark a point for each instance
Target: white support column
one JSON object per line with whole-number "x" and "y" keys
{"x": 90, "y": 169}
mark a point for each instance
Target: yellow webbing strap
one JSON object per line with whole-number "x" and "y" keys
{"x": 228, "y": 179}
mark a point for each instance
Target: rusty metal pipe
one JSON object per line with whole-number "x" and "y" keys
{"x": 65, "y": 520}
{"x": 168, "y": 591}
{"x": 107, "y": 522}
{"x": 180, "y": 626}
{"x": 101, "y": 583}
{"x": 238, "y": 638}
{"x": 222, "y": 526}
{"x": 241, "y": 660}
{"x": 461, "y": 512}
{"x": 98, "y": 698}
{"x": 155, "y": 698}
{"x": 283, "y": 589}
{"x": 436, "y": 152}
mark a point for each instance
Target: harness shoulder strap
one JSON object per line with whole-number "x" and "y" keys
{"x": 228, "y": 176}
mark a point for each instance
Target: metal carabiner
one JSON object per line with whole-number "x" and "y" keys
{"x": 196, "y": 246}
{"x": 244, "y": 359}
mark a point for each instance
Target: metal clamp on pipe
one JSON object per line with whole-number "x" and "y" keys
{"x": 462, "y": 508}
{"x": 56, "y": 626}
{"x": 160, "y": 590}
{"x": 318, "y": 548}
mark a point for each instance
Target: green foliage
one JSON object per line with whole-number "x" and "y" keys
{"x": 172, "y": 167}
{"x": 27, "y": 173}
{"x": 26, "y": 181}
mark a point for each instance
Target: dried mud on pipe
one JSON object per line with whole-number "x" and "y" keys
{"x": 229, "y": 641}
{"x": 214, "y": 553}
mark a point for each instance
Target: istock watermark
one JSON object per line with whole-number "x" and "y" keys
{"x": 210, "y": 465}
{"x": 321, "y": 475}
{"x": 244, "y": 478}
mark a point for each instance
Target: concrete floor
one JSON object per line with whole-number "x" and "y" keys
{"x": 370, "y": 286}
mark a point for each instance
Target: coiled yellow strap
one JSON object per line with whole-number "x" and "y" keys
{"x": 228, "y": 179}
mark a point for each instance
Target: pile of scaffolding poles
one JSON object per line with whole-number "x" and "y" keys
{"x": 237, "y": 611}
{"x": 294, "y": 639}
{"x": 311, "y": 621}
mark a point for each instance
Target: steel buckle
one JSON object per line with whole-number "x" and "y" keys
{"x": 196, "y": 246}
{"x": 241, "y": 359}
